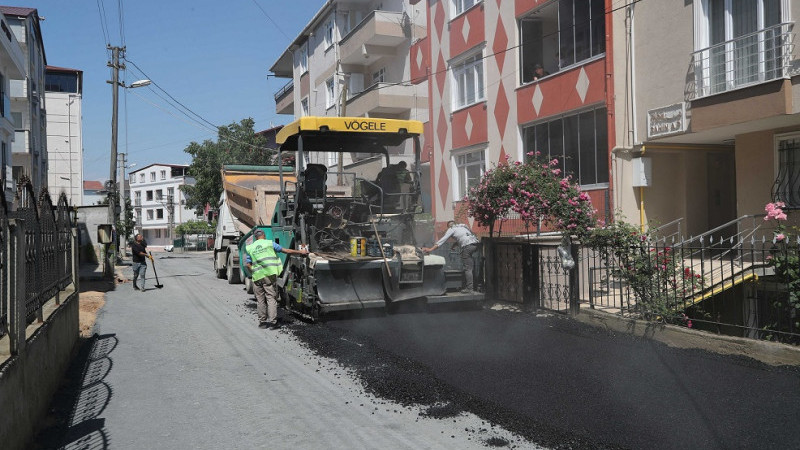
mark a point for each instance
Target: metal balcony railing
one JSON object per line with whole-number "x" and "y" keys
{"x": 747, "y": 60}
{"x": 287, "y": 88}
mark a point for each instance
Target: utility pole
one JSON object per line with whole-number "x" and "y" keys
{"x": 340, "y": 163}
{"x": 112, "y": 188}
{"x": 122, "y": 166}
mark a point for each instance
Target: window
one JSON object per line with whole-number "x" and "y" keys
{"x": 739, "y": 42}
{"x": 330, "y": 93}
{"x": 137, "y": 198}
{"x": 469, "y": 169}
{"x": 152, "y": 176}
{"x": 133, "y": 180}
{"x": 158, "y": 232}
{"x": 468, "y": 81}
{"x": 579, "y": 141}
{"x": 61, "y": 82}
{"x": 141, "y": 178}
{"x": 304, "y": 107}
{"x": 560, "y": 34}
{"x": 149, "y": 196}
{"x": 379, "y": 76}
{"x": 459, "y": 6}
{"x": 149, "y": 214}
{"x": 328, "y": 34}
{"x": 159, "y": 195}
{"x": 159, "y": 213}
{"x": 170, "y": 194}
{"x": 163, "y": 174}
{"x": 302, "y": 58}
{"x": 351, "y": 19}
{"x": 786, "y": 188}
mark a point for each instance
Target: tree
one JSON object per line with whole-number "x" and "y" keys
{"x": 236, "y": 143}
{"x": 196, "y": 227}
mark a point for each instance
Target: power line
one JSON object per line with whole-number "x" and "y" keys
{"x": 101, "y": 10}
{"x": 273, "y": 22}
{"x": 121, "y": 22}
{"x": 169, "y": 95}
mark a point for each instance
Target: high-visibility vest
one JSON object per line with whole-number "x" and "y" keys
{"x": 264, "y": 259}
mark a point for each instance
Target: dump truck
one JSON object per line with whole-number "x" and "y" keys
{"x": 249, "y": 195}
{"x": 359, "y": 224}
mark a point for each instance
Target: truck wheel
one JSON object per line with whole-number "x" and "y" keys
{"x": 221, "y": 273}
{"x": 233, "y": 273}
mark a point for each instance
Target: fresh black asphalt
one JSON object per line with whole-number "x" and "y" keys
{"x": 563, "y": 384}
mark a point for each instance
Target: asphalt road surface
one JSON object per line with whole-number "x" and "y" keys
{"x": 186, "y": 367}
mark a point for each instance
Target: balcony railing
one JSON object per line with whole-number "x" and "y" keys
{"x": 287, "y": 88}
{"x": 751, "y": 59}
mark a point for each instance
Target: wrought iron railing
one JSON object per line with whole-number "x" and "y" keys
{"x": 758, "y": 57}
{"x": 38, "y": 255}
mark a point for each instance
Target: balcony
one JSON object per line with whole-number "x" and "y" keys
{"x": 745, "y": 61}
{"x": 284, "y": 99}
{"x": 11, "y": 56}
{"x": 377, "y": 36}
{"x": 385, "y": 98}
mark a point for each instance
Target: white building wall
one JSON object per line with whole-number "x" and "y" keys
{"x": 154, "y": 229}
{"x": 65, "y": 146}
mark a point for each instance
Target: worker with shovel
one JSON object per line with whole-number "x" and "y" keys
{"x": 139, "y": 256}
{"x": 265, "y": 266}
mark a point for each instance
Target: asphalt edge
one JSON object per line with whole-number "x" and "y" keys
{"x": 772, "y": 353}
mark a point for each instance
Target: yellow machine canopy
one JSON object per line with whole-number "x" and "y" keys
{"x": 350, "y": 134}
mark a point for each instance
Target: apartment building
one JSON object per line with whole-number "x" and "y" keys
{"x": 29, "y": 150}
{"x": 709, "y": 110}
{"x": 158, "y": 202}
{"x": 12, "y": 66}
{"x": 490, "y": 103}
{"x": 354, "y": 58}
{"x": 63, "y": 91}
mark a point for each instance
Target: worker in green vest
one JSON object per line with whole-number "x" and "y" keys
{"x": 263, "y": 263}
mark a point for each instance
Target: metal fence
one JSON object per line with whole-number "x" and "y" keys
{"x": 37, "y": 258}
{"x": 739, "y": 286}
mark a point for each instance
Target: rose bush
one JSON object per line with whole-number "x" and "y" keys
{"x": 536, "y": 190}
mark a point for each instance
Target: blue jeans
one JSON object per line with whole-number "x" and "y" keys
{"x": 139, "y": 267}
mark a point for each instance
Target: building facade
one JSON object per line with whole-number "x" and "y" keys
{"x": 490, "y": 104}
{"x": 29, "y": 150}
{"x": 354, "y": 59}
{"x": 709, "y": 126}
{"x": 12, "y": 66}
{"x": 158, "y": 202}
{"x": 63, "y": 91}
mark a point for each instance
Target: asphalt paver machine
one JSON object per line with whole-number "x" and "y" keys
{"x": 359, "y": 223}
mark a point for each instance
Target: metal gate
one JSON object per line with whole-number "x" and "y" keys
{"x": 531, "y": 273}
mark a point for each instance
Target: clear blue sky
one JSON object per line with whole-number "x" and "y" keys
{"x": 211, "y": 56}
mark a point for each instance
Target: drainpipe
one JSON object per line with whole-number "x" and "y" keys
{"x": 641, "y": 200}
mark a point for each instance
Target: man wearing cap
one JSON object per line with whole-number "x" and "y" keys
{"x": 263, "y": 263}
{"x": 468, "y": 243}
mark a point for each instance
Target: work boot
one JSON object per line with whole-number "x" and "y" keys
{"x": 263, "y": 325}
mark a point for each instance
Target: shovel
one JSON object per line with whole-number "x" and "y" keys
{"x": 153, "y": 262}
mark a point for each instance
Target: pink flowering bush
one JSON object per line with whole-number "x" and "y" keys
{"x": 535, "y": 190}
{"x": 785, "y": 254}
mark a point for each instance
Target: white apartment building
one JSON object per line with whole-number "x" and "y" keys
{"x": 12, "y": 65}
{"x": 29, "y": 150}
{"x": 158, "y": 202}
{"x": 63, "y": 90}
{"x": 353, "y": 59}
